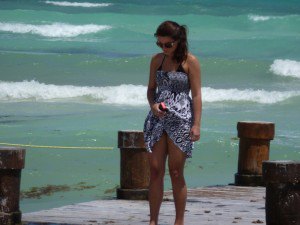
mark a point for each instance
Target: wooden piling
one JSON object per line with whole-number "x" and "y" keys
{"x": 282, "y": 180}
{"x": 135, "y": 173}
{"x": 254, "y": 147}
{"x": 12, "y": 161}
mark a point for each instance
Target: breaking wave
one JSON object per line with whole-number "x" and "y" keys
{"x": 53, "y": 30}
{"x": 125, "y": 94}
{"x": 78, "y": 4}
{"x": 286, "y": 67}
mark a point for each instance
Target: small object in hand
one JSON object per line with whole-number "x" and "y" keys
{"x": 163, "y": 107}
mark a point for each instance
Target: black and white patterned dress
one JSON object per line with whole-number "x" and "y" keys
{"x": 173, "y": 89}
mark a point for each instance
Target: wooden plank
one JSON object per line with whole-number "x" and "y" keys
{"x": 219, "y": 205}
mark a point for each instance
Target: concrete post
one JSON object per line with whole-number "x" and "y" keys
{"x": 135, "y": 172}
{"x": 282, "y": 180}
{"x": 12, "y": 161}
{"x": 254, "y": 147}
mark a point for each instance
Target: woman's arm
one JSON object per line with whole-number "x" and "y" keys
{"x": 195, "y": 83}
{"x": 152, "y": 86}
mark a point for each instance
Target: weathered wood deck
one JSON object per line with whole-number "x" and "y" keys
{"x": 219, "y": 205}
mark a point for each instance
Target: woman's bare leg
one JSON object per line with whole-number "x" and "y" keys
{"x": 176, "y": 163}
{"x": 157, "y": 162}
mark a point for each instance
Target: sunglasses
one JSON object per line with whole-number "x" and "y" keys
{"x": 165, "y": 45}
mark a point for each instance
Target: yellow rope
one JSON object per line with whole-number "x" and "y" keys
{"x": 58, "y": 147}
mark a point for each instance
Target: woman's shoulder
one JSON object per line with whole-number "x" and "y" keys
{"x": 157, "y": 58}
{"x": 191, "y": 59}
{"x": 191, "y": 63}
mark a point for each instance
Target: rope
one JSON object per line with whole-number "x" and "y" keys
{"x": 58, "y": 147}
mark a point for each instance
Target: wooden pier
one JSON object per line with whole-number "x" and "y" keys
{"x": 217, "y": 205}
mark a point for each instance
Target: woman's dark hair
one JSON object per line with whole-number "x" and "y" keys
{"x": 178, "y": 33}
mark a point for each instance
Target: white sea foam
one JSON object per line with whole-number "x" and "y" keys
{"x": 35, "y": 91}
{"x": 53, "y": 30}
{"x": 78, "y": 4}
{"x": 257, "y": 18}
{"x": 125, "y": 94}
{"x": 259, "y": 96}
{"x": 286, "y": 67}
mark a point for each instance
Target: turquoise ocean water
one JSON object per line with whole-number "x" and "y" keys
{"x": 75, "y": 73}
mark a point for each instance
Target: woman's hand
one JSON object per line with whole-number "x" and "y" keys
{"x": 156, "y": 111}
{"x": 195, "y": 133}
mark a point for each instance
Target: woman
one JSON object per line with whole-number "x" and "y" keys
{"x": 171, "y": 131}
